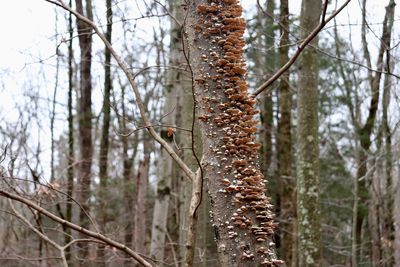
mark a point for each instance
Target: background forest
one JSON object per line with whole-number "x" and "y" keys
{"x": 106, "y": 143}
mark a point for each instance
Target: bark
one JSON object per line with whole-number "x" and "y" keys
{"x": 181, "y": 82}
{"x": 266, "y": 67}
{"x": 241, "y": 212}
{"x": 308, "y": 210}
{"x": 194, "y": 228}
{"x": 71, "y": 154}
{"x": 164, "y": 179}
{"x": 388, "y": 220}
{"x": 84, "y": 118}
{"x": 284, "y": 149}
{"x": 142, "y": 180}
{"x": 104, "y": 142}
{"x": 375, "y": 212}
{"x": 192, "y": 221}
{"x": 185, "y": 191}
{"x": 185, "y": 188}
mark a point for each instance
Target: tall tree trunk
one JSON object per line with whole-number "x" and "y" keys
{"x": 185, "y": 188}
{"x": 164, "y": 178}
{"x": 266, "y": 67}
{"x": 181, "y": 80}
{"x": 142, "y": 180}
{"x": 85, "y": 120}
{"x": 308, "y": 210}
{"x": 375, "y": 211}
{"x": 104, "y": 142}
{"x": 71, "y": 154}
{"x": 284, "y": 149}
{"x": 388, "y": 220}
{"x": 241, "y": 212}
{"x": 167, "y": 172}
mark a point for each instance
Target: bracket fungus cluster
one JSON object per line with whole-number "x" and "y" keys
{"x": 226, "y": 112}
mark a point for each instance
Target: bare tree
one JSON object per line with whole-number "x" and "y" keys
{"x": 308, "y": 209}
{"x": 71, "y": 154}
{"x": 85, "y": 117}
{"x": 104, "y": 142}
{"x": 284, "y": 149}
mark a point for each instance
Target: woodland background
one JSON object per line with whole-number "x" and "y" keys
{"x": 73, "y": 140}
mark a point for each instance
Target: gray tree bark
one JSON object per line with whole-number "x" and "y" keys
{"x": 164, "y": 174}
{"x": 284, "y": 149}
{"x": 308, "y": 210}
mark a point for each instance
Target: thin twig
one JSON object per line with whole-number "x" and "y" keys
{"x": 75, "y": 227}
{"x": 189, "y": 173}
{"x": 300, "y": 48}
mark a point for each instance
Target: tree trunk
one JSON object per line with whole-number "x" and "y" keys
{"x": 167, "y": 173}
{"x": 284, "y": 149}
{"x": 71, "y": 154}
{"x": 104, "y": 142}
{"x": 185, "y": 118}
{"x": 388, "y": 222}
{"x": 266, "y": 66}
{"x": 375, "y": 211}
{"x": 142, "y": 180}
{"x": 185, "y": 188}
{"x": 308, "y": 210}
{"x": 85, "y": 121}
{"x": 241, "y": 212}
{"x": 164, "y": 179}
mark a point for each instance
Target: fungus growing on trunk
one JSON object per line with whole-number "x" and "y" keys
{"x": 222, "y": 98}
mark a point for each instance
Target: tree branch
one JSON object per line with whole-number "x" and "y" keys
{"x": 300, "y": 48}
{"x": 189, "y": 173}
{"x": 75, "y": 227}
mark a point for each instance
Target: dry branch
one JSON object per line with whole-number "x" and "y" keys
{"x": 75, "y": 227}
{"x": 301, "y": 47}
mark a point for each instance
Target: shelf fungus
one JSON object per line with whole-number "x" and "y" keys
{"x": 227, "y": 110}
